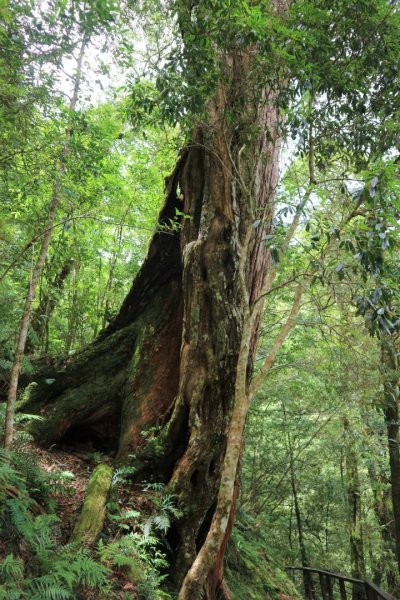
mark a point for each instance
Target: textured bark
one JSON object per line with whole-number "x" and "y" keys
{"x": 177, "y": 359}
{"x": 218, "y": 330}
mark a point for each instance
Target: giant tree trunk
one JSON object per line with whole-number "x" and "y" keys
{"x": 169, "y": 360}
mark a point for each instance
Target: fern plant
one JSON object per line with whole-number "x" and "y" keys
{"x": 141, "y": 560}
{"x": 48, "y": 571}
{"x": 20, "y": 418}
{"x": 165, "y": 510}
{"x": 70, "y": 573}
{"x": 53, "y": 574}
{"x": 138, "y": 551}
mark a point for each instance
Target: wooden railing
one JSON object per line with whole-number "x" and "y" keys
{"x": 331, "y": 586}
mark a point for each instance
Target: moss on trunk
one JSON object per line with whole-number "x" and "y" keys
{"x": 84, "y": 394}
{"x": 168, "y": 363}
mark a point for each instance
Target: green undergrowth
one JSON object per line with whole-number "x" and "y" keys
{"x": 36, "y": 565}
{"x": 250, "y": 572}
{"x": 128, "y": 562}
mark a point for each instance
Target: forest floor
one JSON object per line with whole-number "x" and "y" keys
{"x": 67, "y": 470}
{"x": 72, "y": 467}
{"x": 71, "y": 475}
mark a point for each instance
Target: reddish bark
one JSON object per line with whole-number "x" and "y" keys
{"x": 178, "y": 335}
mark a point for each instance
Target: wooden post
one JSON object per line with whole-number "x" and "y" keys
{"x": 360, "y": 592}
{"x": 308, "y": 585}
{"x": 329, "y": 584}
{"x": 324, "y": 587}
{"x": 370, "y": 592}
{"x": 342, "y": 587}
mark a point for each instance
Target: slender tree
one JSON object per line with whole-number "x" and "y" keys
{"x": 307, "y": 579}
{"x": 44, "y": 247}
{"x": 355, "y": 510}
{"x": 391, "y": 409}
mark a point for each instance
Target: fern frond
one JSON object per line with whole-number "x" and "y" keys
{"x": 47, "y": 588}
{"x": 11, "y": 568}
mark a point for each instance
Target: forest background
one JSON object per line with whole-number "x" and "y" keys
{"x": 97, "y": 101}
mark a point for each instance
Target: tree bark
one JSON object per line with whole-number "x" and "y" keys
{"x": 177, "y": 359}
